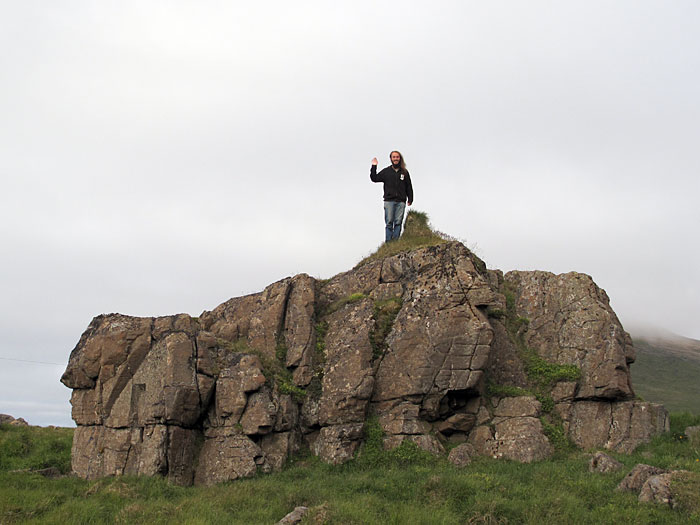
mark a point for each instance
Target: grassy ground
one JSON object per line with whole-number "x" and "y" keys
{"x": 667, "y": 378}
{"x": 405, "y": 486}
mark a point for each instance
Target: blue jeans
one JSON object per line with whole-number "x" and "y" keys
{"x": 393, "y": 217}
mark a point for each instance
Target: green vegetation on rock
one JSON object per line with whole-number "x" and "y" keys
{"x": 384, "y": 313}
{"x": 274, "y": 369}
{"x": 541, "y": 374}
{"x": 417, "y": 233}
{"x": 340, "y": 303}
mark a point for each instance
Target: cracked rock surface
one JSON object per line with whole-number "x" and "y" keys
{"x": 407, "y": 343}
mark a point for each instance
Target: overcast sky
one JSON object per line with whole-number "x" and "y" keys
{"x": 162, "y": 157}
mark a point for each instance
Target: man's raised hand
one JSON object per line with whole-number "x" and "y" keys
{"x": 375, "y": 161}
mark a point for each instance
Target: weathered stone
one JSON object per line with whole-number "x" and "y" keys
{"x": 693, "y": 435}
{"x": 620, "y": 426}
{"x": 348, "y": 378}
{"x": 244, "y": 375}
{"x": 386, "y": 291}
{"x": 462, "y": 455}
{"x": 483, "y": 441}
{"x": 521, "y": 439}
{"x": 657, "y": 489}
{"x": 299, "y": 328}
{"x": 109, "y": 340}
{"x": 571, "y": 323}
{"x": 361, "y": 280}
{"x": 505, "y": 366}
{"x": 294, "y": 517}
{"x": 259, "y": 415}
{"x": 426, "y": 442}
{"x": 9, "y": 420}
{"x": 457, "y": 423}
{"x": 155, "y": 396}
{"x": 227, "y": 455}
{"x": 564, "y": 391}
{"x": 287, "y": 413}
{"x": 309, "y": 414}
{"x": 482, "y": 416}
{"x": 6, "y": 419}
{"x": 336, "y": 444}
{"x": 403, "y": 418}
{"x": 603, "y": 463}
{"x": 635, "y": 479}
{"x": 279, "y": 446}
{"x": 518, "y": 407}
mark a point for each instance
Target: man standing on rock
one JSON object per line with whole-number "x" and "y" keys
{"x": 397, "y": 190}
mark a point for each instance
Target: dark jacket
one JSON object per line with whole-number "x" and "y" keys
{"x": 397, "y": 184}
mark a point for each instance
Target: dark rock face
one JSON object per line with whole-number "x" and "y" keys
{"x": 408, "y": 339}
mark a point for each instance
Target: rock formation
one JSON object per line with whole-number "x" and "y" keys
{"x": 6, "y": 419}
{"x": 428, "y": 344}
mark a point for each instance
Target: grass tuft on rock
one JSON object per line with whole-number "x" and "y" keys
{"x": 417, "y": 233}
{"x": 384, "y": 313}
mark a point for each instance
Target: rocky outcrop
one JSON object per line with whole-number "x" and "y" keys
{"x": 418, "y": 340}
{"x": 571, "y": 322}
{"x": 6, "y": 419}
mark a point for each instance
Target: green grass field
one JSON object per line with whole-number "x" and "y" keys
{"x": 664, "y": 377}
{"x": 378, "y": 487}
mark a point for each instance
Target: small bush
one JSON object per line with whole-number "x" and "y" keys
{"x": 337, "y": 305}
{"x": 546, "y": 401}
{"x": 546, "y": 374}
{"x": 553, "y": 428}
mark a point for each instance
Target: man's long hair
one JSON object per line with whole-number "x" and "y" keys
{"x": 402, "y": 164}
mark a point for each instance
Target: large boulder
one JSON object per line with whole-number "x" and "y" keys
{"x": 619, "y": 426}
{"x": 659, "y": 489}
{"x": 571, "y": 323}
{"x": 635, "y": 479}
{"x": 410, "y": 339}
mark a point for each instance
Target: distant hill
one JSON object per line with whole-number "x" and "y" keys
{"x": 667, "y": 370}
